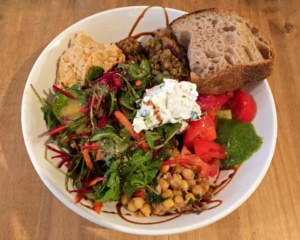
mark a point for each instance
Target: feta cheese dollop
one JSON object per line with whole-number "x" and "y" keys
{"x": 169, "y": 102}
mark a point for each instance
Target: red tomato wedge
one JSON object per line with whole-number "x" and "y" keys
{"x": 242, "y": 106}
{"x": 216, "y": 101}
{"x": 209, "y": 150}
{"x": 205, "y": 129}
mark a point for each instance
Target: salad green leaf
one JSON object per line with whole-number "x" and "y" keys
{"x": 94, "y": 73}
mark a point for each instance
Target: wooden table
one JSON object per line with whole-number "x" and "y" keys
{"x": 29, "y": 211}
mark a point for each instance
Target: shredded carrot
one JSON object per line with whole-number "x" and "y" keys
{"x": 82, "y": 110}
{"x": 56, "y": 130}
{"x": 78, "y": 197}
{"x": 99, "y": 155}
{"x": 138, "y": 82}
{"x": 97, "y": 207}
{"x": 127, "y": 124}
{"x": 94, "y": 181}
{"x": 143, "y": 145}
{"x": 87, "y": 158}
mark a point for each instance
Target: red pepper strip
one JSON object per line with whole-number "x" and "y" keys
{"x": 56, "y": 130}
{"x": 92, "y": 146}
{"x": 87, "y": 158}
{"x": 139, "y": 193}
{"x": 97, "y": 207}
{"x": 127, "y": 124}
{"x": 57, "y": 89}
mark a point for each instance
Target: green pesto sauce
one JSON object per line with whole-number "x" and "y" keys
{"x": 239, "y": 140}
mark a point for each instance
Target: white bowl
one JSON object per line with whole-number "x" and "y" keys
{"x": 111, "y": 26}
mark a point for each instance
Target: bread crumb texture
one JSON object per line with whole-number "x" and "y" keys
{"x": 84, "y": 53}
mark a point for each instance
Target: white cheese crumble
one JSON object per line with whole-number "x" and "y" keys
{"x": 170, "y": 102}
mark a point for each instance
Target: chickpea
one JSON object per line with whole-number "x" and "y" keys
{"x": 167, "y": 193}
{"x": 173, "y": 153}
{"x": 168, "y": 204}
{"x": 178, "y": 199}
{"x": 188, "y": 196}
{"x": 184, "y": 185}
{"x": 188, "y": 174}
{"x": 177, "y": 192}
{"x": 164, "y": 184}
{"x": 175, "y": 182}
{"x": 197, "y": 190}
{"x": 191, "y": 183}
{"x": 131, "y": 206}
{"x": 178, "y": 169}
{"x": 167, "y": 176}
{"x": 164, "y": 168}
{"x": 177, "y": 176}
{"x": 204, "y": 183}
{"x": 146, "y": 210}
{"x": 138, "y": 202}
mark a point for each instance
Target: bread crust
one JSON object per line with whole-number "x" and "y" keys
{"x": 232, "y": 79}
{"x": 235, "y": 76}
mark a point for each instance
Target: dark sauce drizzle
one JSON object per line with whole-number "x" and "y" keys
{"x": 140, "y": 17}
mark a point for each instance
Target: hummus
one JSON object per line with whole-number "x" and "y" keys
{"x": 84, "y": 53}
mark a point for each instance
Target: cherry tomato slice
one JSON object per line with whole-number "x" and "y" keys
{"x": 242, "y": 106}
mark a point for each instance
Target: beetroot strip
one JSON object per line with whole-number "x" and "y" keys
{"x": 57, "y": 89}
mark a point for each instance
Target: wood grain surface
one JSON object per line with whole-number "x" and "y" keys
{"x": 27, "y": 208}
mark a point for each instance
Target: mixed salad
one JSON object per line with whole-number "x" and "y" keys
{"x": 114, "y": 141}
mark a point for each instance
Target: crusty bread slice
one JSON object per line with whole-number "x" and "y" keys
{"x": 225, "y": 51}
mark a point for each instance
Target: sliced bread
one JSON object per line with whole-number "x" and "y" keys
{"x": 225, "y": 51}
